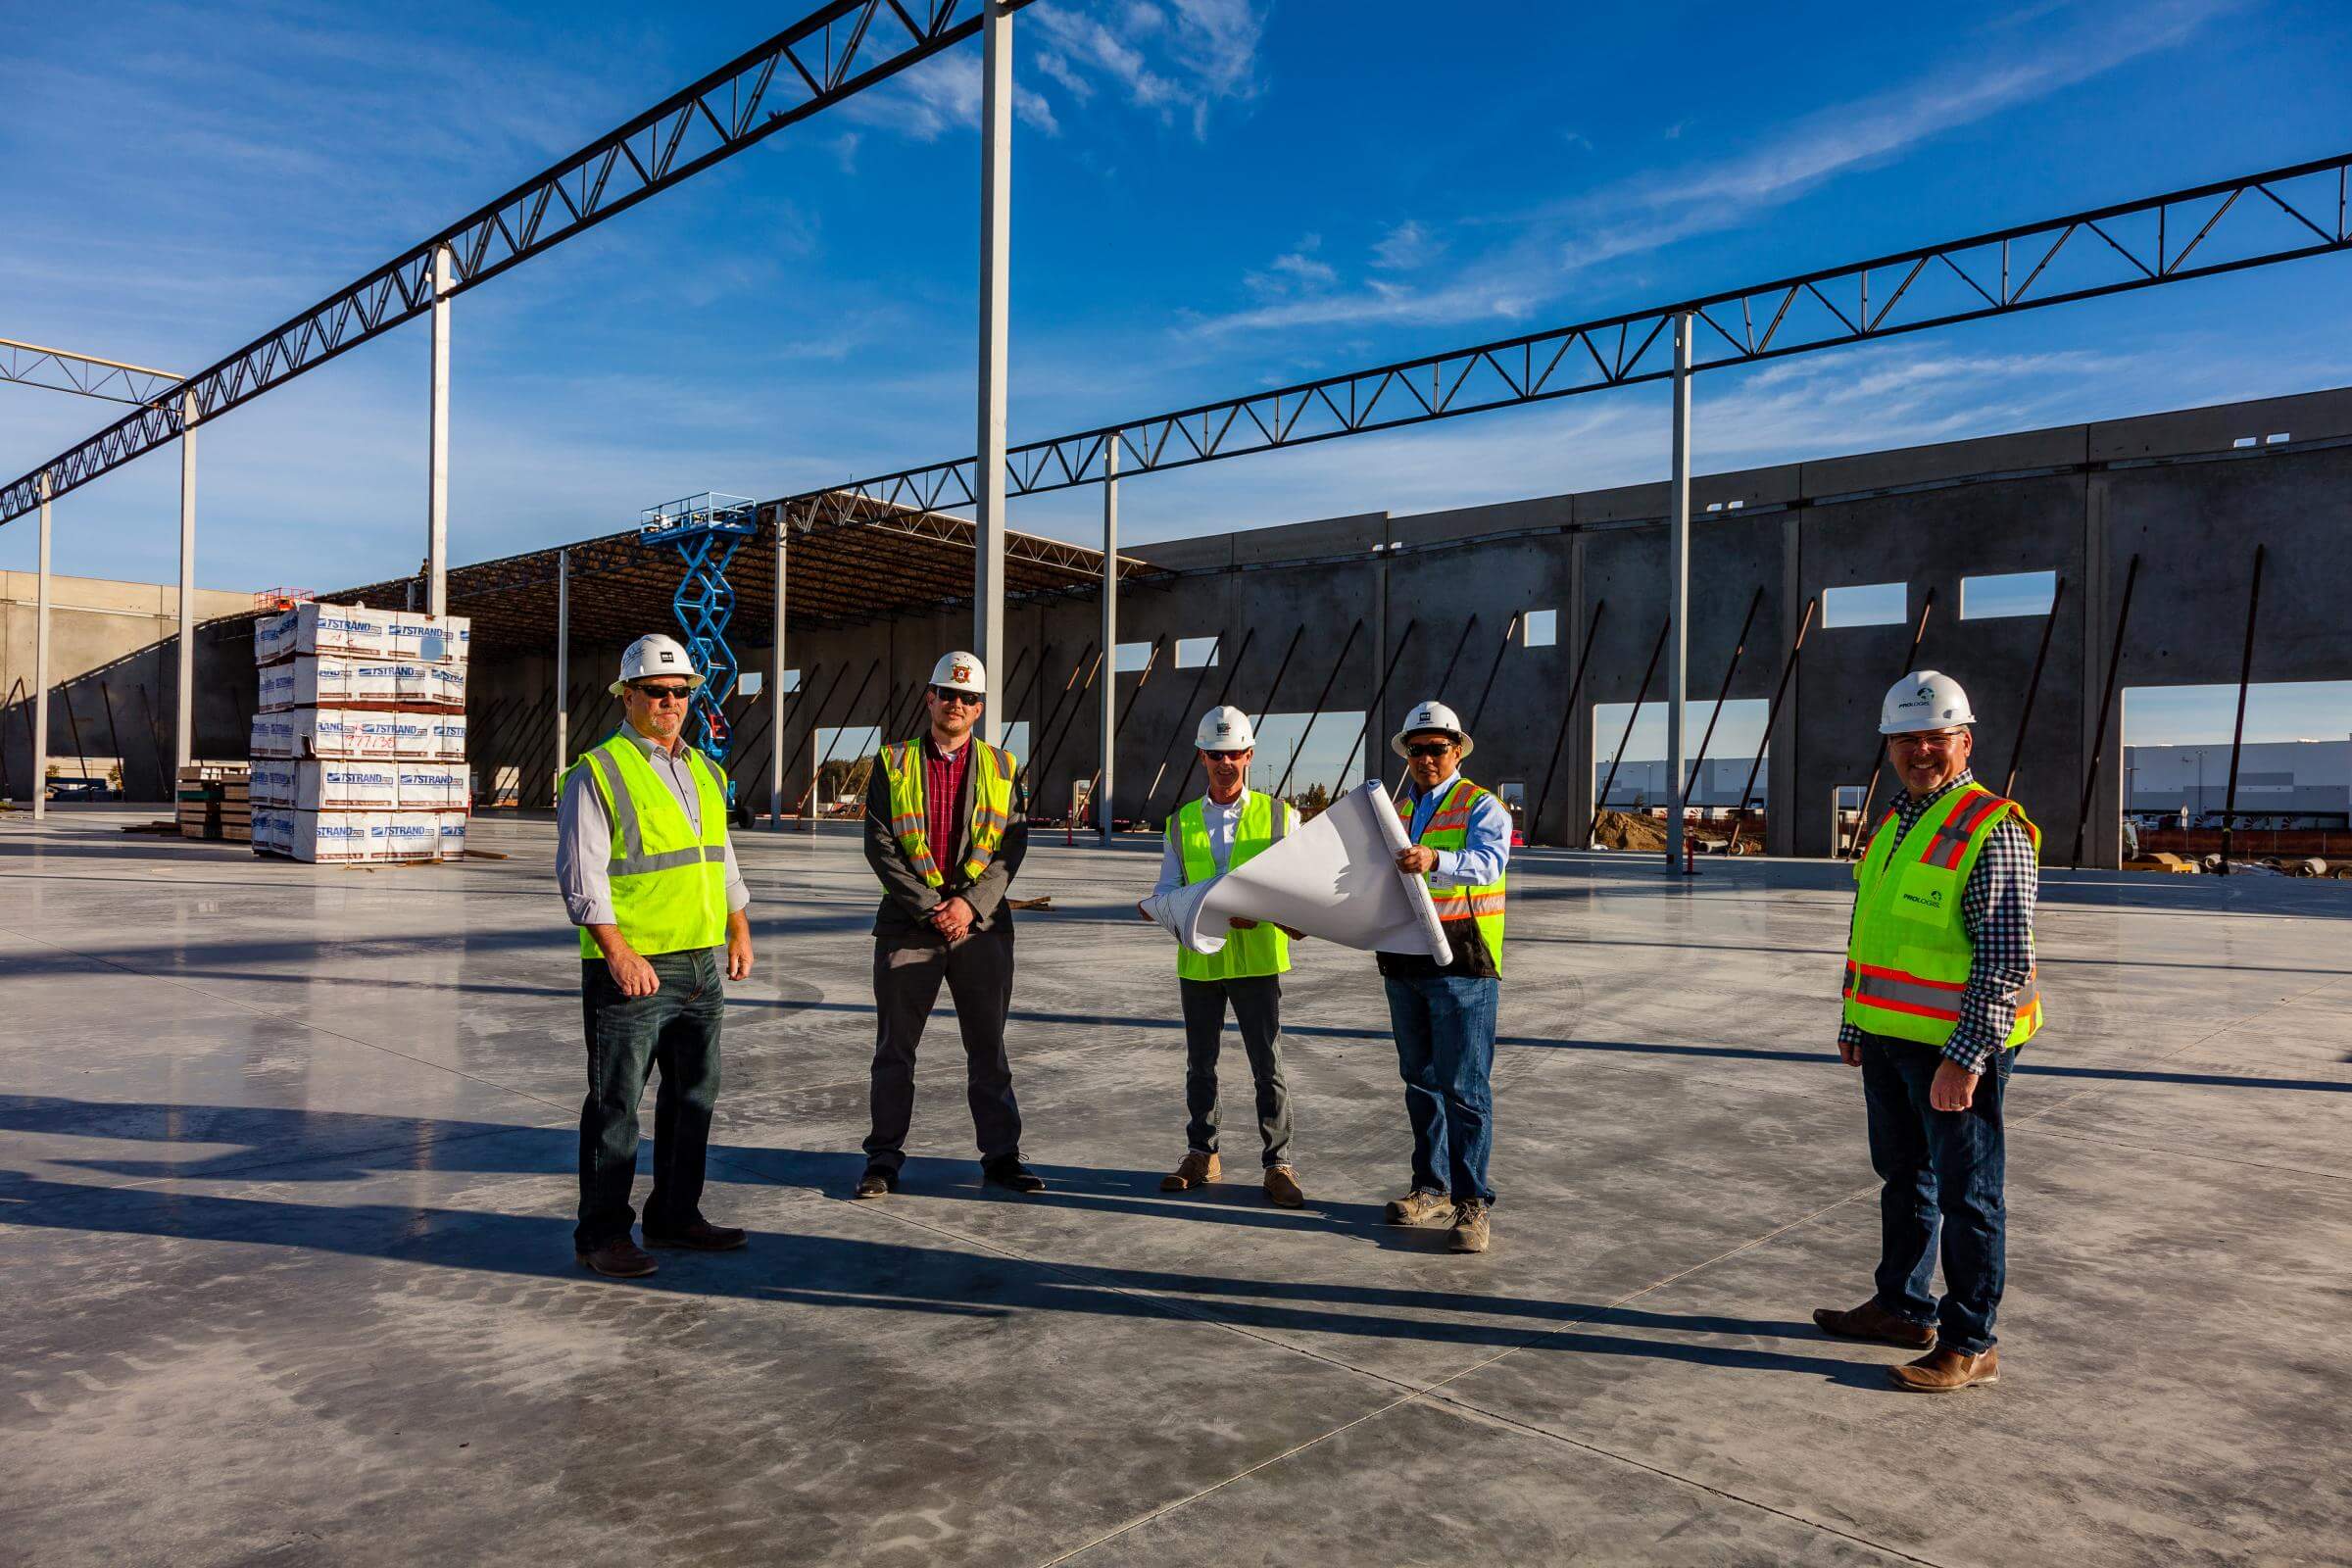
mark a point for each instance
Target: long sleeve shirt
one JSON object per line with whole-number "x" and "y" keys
{"x": 906, "y": 898}
{"x": 1222, "y": 822}
{"x": 1996, "y": 909}
{"x": 584, "y": 835}
{"x": 1485, "y": 851}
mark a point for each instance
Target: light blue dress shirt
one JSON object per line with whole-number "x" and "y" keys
{"x": 1486, "y": 849}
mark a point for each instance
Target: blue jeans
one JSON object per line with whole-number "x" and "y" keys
{"x": 1445, "y": 1027}
{"x": 1942, "y": 1171}
{"x": 677, "y": 1029}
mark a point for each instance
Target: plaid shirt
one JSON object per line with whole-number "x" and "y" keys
{"x": 942, "y": 783}
{"x": 1997, "y": 909}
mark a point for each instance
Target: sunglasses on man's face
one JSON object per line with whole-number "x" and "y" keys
{"x": 1429, "y": 749}
{"x": 948, "y": 694}
{"x": 665, "y": 694}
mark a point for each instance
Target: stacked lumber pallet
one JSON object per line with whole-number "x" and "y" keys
{"x": 214, "y": 800}
{"x": 359, "y": 749}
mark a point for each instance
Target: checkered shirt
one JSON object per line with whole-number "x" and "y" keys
{"x": 1997, "y": 909}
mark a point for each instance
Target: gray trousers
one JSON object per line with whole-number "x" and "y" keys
{"x": 978, "y": 974}
{"x": 1257, "y": 1009}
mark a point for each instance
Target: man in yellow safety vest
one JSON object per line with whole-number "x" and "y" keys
{"x": 1443, "y": 1014}
{"x": 648, "y": 875}
{"x": 946, "y": 826}
{"x": 1225, "y": 828}
{"x": 1939, "y": 991}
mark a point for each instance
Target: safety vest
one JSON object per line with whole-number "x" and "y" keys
{"x": 1461, "y": 910}
{"x": 1908, "y": 959}
{"x": 1262, "y": 949}
{"x": 669, "y": 882}
{"x": 991, "y": 805}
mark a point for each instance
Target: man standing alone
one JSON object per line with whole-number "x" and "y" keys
{"x": 648, "y": 877}
{"x": 1940, "y": 990}
{"x": 946, "y": 827}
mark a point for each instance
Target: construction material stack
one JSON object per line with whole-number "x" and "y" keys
{"x": 213, "y": 802}
{"x": 358, "y": 744}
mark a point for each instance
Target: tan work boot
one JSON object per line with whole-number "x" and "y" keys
{"x": 1470, "y": 1228}
{"x": 1282, "y": 1188}
{"x": 1196, "y": 1169}
{"x": 1418, "y": 1207}
{"x": 1873, "y": 1322}
{"x": 1942, "y": 1371}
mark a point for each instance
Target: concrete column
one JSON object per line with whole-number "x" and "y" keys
{"x": 996, "y": 233}
{"x": 563, "y": 669}
{"x": 1110, "y": 630}
{"x": 183, "y": 728}
{"x": 775, "y": 692}
{"x": 436, "y": 540}
{"x": 1678, "y": 568}
{"x": 41, "y": 666}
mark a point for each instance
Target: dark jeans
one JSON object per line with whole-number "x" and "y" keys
{"x": 676, "y": 1027}
{"x": 978, "y": 971}
{"x": 1445, "y": 1027}
{"x": 1943, "y": 1174}
{"x": 1257, "y": 1009}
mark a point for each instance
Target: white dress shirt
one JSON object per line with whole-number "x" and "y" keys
{"x": 1222, "y": 822}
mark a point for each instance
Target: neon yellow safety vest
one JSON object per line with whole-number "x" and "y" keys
{"x": 1461, "y": 910}
{"x": 1908, "y": 959}
{"x": 1262, "y": 949}
{"x": 669, "y": 882}
{"x": 991, "y": 805}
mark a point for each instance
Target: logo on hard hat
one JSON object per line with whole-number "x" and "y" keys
{"x": 668, "y": 658}
{"x": 1926, "y": 694}
{"x": 1224, "y": 727}
{"x": 963, "y": 673}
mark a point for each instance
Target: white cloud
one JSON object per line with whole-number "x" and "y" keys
{"x": 925, "y": 102}
{"x": 1172, "y": 68}
{"x": 1404, "y": 247}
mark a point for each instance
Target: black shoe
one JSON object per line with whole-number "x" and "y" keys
{"x": 1011, "y": 1175}
{"x": 702, "y": 1236}
{"x": 877, "y": 1182}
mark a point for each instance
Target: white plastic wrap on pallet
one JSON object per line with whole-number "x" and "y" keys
{"x": 411, "y": 835}
{"x": 348, "y": 784}
{"x": 329, "y": 837}
{"x": 423, "y": 639}
{"x": 428, "y": 786}
{"x": 274, "y": 734}
{"x": 449, "y": 737}
{"x": 271, "y": 781}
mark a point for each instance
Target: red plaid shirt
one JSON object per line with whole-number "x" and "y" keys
{"x": 942, "y": 785}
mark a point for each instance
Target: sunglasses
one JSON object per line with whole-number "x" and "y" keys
{"x": 665, "y": 693}
{"x": 1429, "y": 749}
{"x": 948, "y": 694}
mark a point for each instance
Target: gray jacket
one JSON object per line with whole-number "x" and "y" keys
{"x": 906, "y": 898}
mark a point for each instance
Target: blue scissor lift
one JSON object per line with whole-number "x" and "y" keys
{"x": 706, "y": 530}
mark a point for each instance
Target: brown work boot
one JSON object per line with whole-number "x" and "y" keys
{"x": 1282, "y": 1188}
{"x": 1470, "y": 1228}
{"x": 1418, "y": 1207}
{"x": 1942, "y": 1371}
{"x": 702, "y": 1236}
{"x": 1873, "y": 1322}
{"x": 1196, "y": 1169}
{"x": 618, "y": 1258}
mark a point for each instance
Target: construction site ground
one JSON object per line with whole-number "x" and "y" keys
{"x": 285, "y": 1227}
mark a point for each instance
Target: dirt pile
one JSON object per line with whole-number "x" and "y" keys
{"x": 1622, "y": 830}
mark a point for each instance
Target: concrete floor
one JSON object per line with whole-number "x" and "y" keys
{"x": 284, "y": 1234}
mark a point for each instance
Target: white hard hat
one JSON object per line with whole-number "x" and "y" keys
{"x": 1225, "y": 730}
{"x": 960, "y": 672}
{"x": 1431, "y": 717}
{"x": 651, "y": 656}
{"x": 1925, "y": 699}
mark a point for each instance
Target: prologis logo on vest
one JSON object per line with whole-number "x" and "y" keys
{"x": 1930, "y": 898}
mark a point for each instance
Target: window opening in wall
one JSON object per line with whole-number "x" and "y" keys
{"x": 1194, "y": 652}
{"x": 2012, "y": 593}
{"x": 1870, "y": 604}
{"x": 1642, "y": 777}
{"x": 2294, "y": 772}
{"x": 1133, "y": 656}
{"x": 751, "y": 683}
{"x": 1540, "y": 628}
{"x": 1331, "y": 763}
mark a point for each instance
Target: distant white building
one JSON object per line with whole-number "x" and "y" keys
{"x": 2299, "y": 778}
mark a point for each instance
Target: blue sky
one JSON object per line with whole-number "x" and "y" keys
{"x": 1210, "y": 195}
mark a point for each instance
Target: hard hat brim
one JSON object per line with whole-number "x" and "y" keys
{"x": 1397, "y": 740}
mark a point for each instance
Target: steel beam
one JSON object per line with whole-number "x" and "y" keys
{"x": 1104, "y": 777}
{"x": 40, "y": 667}
{"x": 436, "y": 467}
{"x": 996, "y": 237}
{"x": 63, "y": 371}
{"x": 1678, "y": 593}
{"x": 775, "y": 695}
{"x": 563, "y": 669}
{"x": 184, "y": 727}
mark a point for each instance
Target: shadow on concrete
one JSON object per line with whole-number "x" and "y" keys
{"x": 818, "y": 1269}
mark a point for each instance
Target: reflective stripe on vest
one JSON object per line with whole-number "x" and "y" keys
{"x": 1908, "y": 957}
{"x": 1262, "y": 949}
{"x": 1450, "y": 829}
{"x": 994, "y": 771}
{"x": 668, "y": 880}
